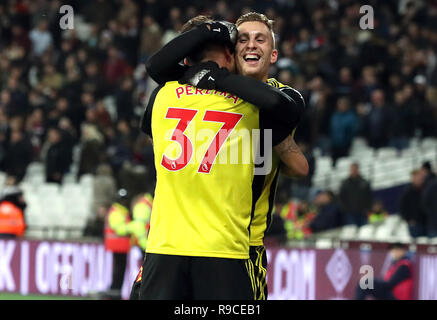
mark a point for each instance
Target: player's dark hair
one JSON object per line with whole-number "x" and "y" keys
{"x": 195, "y": 22}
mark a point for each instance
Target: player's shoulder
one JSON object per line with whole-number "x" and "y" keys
{"x": 273, "y": 82}
{"x": 293, "y": 93}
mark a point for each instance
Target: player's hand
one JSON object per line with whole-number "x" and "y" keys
{"x": 203, "y": 75}
{"x": 224, "y": 32}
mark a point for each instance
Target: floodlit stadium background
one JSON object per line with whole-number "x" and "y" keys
{"x": 89, "y": 84}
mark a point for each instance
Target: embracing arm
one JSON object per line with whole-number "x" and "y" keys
{"x": 278, "y": 101}
{"x": 167, "y": 63}
{"x": 164, "y": 65}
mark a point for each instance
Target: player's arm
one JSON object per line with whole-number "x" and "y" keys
{"x": 294, "y": 163}
{"x": 167, "y": 63}
{"x": 280, "y": 108}
{"x": 208, "y": 75}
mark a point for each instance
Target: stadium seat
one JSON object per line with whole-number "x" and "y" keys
{"x": 366, "y": 232}
{"x": 414, "y": 142}
{"x": 69, "y": 178}
{"x": 323, "y": 164}
{"x": 35, "y": 168}
{"x": 383, "y": 232}
{"x": 2, "y": 178}
{"x": 359, "y": 143}
{"x": 48, "y": 189}
{"x": 35, "y": 179}
{"x": 323, "y": 243}
{"x": 422, "y": 240}
{"x": 428, "y": 143}
{"x": 76, "y": 155}
{"x": 72, "y": 190}
{"x": 386, "y": 153}
{"x": 402, "y": 231}
{"x": 393, "y": 220}
{"x": 348, "y": 232}
{"x": 362, "y": 153}
{"x": 335, "y": 183}
{"x": 343, "y": 163}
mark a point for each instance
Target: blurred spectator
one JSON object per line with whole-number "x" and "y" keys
{"x": 102, "y": 116}
{"x": 328, "y": 215}
{"x": 41, "y": 38}
{"x": 58, "y": 156}
{"x": 299, "y": 216}
{"x": 430, "y": 200}
{"x": 276, "y": 233}
{"x": 35, "y": 128}
{"x": 133, "y": 178}
{"x": 115, "y": 67}
{"x": 18, "y": 98}
{"x": 398, "y": 280}
{"x": 51, "y": 78}
{"x": 20, "y": 37}
{"x": 402, "y": 128}
{"x": 123, "y": 99}
{"x": 342, "y": 129}
{"x": 93, "y": 81}
{"x": 18, "y": 155}
{"x": 92, "y": 148}
{"x": 344, "y": 85}
{"x": 12, "y": 217}
{"x": 376, "y": 128}
{"x": 119, "y": 145}
{"x": 99, "y": 12}
{"x": 430, "y": 176}
{"x": 105, "y": 192}
{"x": 410, "y": 208}
{"x": 355, "y": 197}
{"x": 151, "y": 38}
{"x": 377, "y": 213}
{"x": 105, "y": 189}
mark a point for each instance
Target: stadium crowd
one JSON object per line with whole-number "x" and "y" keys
{"x": 88, "y": 86}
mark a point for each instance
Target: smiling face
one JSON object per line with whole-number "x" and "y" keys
{"x": 255, "y": 50}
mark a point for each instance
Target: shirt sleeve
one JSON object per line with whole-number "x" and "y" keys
{"x": 166, "y": 64}
{"x": 284, "y": 119}
{"x": 146, "y": 119}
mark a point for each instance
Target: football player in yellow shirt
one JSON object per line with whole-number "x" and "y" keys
{"x": 255, "y": 52}
{"x": 199, "y": 235}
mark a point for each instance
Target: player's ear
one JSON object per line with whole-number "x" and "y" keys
{"x": 186, "y": 62}
{"x": 229, "y": 55}
{"x": 274, "y": 56}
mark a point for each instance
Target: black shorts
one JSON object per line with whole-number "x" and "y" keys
{"x": 135, "y": 292}
{"x": 172, "y": 277}
{"x": 258, "y": 257}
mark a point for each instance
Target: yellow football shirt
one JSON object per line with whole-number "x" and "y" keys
{"x": 203, "y": 146}
{"x": 264, "y": 204}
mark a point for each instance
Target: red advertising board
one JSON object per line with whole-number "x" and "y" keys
{"x": 77, "y": 269}
{"x": 60, "y": 268}
{"x": 310, "y": 274}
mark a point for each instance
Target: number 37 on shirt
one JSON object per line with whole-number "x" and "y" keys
{"x": 185, "y": 116}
